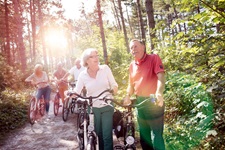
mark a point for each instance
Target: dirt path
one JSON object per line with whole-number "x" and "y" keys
{"x": 52, "y": 133}
{"x": 46, "y": 134}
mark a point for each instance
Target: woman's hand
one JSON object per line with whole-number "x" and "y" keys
{"x": 33, "y": 82}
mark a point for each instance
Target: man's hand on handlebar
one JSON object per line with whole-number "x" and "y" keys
{"x": 126, "y": 100}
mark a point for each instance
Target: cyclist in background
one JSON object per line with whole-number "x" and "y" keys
{"x": 97, "y": 78}
{"x": 75, "y": 70}
{"x": 62, "y": 84}
{"x": 40, "y": 79}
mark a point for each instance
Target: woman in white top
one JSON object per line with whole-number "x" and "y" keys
{"x": 97, "y": 78}
{"x": 40, "y": 79}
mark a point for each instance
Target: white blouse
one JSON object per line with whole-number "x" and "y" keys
{"x": 104, "y": 80}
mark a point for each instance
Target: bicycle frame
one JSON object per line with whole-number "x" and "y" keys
{"x": 90, "y": 139}
{"x": 35, "y": 106}
{"x": 129, "y": 129}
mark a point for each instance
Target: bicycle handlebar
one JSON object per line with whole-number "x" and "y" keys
{"x": 92, "y": 97}
{"x": 125, "y": 106}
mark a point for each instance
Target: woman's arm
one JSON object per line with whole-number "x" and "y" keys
{"x": 112, "y": 81}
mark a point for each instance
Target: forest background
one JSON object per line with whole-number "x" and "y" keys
{"x": 187, "y": 34}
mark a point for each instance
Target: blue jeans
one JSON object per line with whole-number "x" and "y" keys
{"x": 103, "y": 126}
{"x": 151, "y": 123}
{"x": 46, "y": 91}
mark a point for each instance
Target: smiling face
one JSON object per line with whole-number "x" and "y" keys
{"x": 137, "y": 49}
{"x": 93, "y": 59}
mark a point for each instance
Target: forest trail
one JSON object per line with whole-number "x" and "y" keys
{"x": 45, "y": 134}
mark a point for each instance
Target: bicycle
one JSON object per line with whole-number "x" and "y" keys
{"x": 127, "y": 126}
{"x": 87, "y": 137}
{"x": 57, "y": 99}
{"x": 70, "y": 105}
{"x": 35, "y": 107}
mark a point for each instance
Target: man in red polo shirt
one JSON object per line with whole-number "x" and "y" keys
{"x": 146, "y": 77}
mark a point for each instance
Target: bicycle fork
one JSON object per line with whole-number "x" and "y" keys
{"x": 92, "y": 137}
{"x": 130, "y": 134}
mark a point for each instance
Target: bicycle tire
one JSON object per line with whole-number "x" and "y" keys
{"x": 42, "y": 106}
{"x": 91, "y": 143}
{"x": 130, "y": 131}
{"x": 56, "y": 104}
{"x": 32, "y": 111}
{"x": 80, "y": 138}
{"x": 80, "y": 120}
{"x": 66, "y": 109}
{"x": 72, "y": 107}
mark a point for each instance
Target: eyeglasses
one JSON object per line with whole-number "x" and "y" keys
{"x": 94, "y": 56}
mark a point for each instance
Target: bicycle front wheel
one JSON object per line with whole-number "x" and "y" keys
{"x": 32, "y": 111}
{"x": 42, "y": 106}
{"x": 80, "y": 120}
{"x": 66, "y": 109}
{"x": 56, "y": 104}
{"x": 91, "y": 143}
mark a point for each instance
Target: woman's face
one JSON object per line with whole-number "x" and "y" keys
{"x": 93, "y": 59}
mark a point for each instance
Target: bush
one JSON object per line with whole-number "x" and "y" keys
{"x": 189, "y": 112}
{"x": 13, "y": 111}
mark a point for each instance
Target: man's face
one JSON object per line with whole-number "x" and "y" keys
{"x": 137, "y": 49}
{"x": 77, "y": 63}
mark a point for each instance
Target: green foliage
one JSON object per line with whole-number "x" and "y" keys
{"x": 13, "y": 107}
{"x": 119, "y": 61}
{"x": 189, "y": 114}
{"x": 13, "y": 111}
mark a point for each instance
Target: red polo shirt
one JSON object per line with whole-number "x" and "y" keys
{"x": 143, "y": 74}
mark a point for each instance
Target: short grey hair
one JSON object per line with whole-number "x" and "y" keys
{"x": 86, "y": 54}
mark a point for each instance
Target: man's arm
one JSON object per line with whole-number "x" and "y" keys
{"x": 130, "y": 91}
{"x": 160, "y": 88}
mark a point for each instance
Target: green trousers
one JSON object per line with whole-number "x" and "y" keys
{"x": 103, "y": 126}
{"x": 151, "y": 124}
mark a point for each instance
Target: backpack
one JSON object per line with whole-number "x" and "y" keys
{"x": 118, "y": 123}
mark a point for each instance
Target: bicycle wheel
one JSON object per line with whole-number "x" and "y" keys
{"x": 91, "y": 143}
{"x": 72, "y": 107}
{"x": 129, "y": 140}
{"x": 80, "y": 139}
{"x": 80, "y": 120}
{"x": 32, "y": 111}
{"x": 42, "y": 106}
{"x": 66, "y": 109}
{"x": 56, "y": 104}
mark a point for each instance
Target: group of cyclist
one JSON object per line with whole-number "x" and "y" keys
{"x": 146, "y": 77}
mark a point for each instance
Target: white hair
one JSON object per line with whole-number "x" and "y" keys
{"x": 86, "y": 54}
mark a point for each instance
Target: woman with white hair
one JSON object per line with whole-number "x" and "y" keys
{"x": 40, "y": 79}
{"x": 96, "y": 78}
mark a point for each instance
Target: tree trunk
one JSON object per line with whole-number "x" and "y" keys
{"x": 29, "y": 37}
{"x": 33, "y": 26}
{"x": 176, "y": 14}
{"x": 7, "y": 47}
{"x": 128, "y": 18}
{"x": 102, "y": 31}
{"x": 115, "y": 13}
{"x": 143, "y": 37}
{"x": 151, "y": 21}
{"x": 123, "y": 25}
{"x": 21, "y": 47}
{"x": 42, "y": 34}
